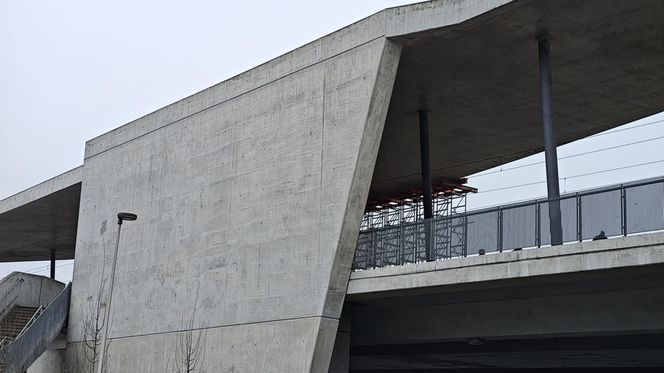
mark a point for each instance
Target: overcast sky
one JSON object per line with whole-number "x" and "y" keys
{"x": 72, "y": 70}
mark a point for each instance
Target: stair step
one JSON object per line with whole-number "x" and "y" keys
{"x": 15, "y": 321}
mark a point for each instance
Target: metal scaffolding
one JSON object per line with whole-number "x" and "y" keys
{"x": 395, "y": 232}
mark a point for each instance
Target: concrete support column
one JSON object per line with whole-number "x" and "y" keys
{"x": 425, "y": 164}
{"x": 550, "y": 143}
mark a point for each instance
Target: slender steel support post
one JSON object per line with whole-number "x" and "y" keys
{"x": 550, "y": 143}
{"x": 538, "y": 225}
{"x": 53, "y": 264}
{"x": 579, "y": 218}
{"x": 427, "y": 193}
{"x": 623, "y": 210}
{"x": 499, "y": 232}
{"x": 465, "y": 235}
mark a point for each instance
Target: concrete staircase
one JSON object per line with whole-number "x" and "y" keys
{"x": 15, "y": 321}
{"x": 10, "y": 327}
{"x": 33, "y": 313}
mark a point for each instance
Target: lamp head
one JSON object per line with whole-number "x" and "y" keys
{"x": 126, "y": 216}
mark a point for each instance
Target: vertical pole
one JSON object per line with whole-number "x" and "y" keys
{"x": 499, "y": 233}
{"x": 465, "y": 235}
{"x": 623, "y": 210}
{"x": 107, "y": 310}
{"x": 53, "y": 264}
{"x": 427, "y": 192}
{"x": 579, "y": 218}
{"x": 425, "y": 164}
{"x": 550, "y": 142}
{"x": 538, "y": 223}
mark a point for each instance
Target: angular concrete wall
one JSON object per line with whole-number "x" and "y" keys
{"x": 249, "y": 196}
{"x": 248, "y": 209}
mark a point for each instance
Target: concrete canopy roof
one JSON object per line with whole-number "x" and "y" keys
{"x": 478, "y": 79}
{"x": 480, "y": 82}
{"x": 41, "y": 218}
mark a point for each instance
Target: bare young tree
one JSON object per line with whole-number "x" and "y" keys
{"x": 188, "y": 353}
{"x": 92, "y": 331}
{"x": 94, "y": 322}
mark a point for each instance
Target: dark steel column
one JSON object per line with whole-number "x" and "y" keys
{"x": 53, "y": 264}
{"x": 425, "y": 163}
{"x": 551, "y": 155}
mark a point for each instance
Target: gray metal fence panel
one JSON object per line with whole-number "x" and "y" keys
{"x": 616, "y": 210}
{"x": 645, "y": 208}
{"x": 519, "y": 227}
{"x": 568, "y": 211}
{"x": 482, "y": 232}
{"x": 601, "y": 212}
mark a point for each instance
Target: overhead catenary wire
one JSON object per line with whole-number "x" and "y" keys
{"x": 47, "y": 267}
{"x": 569, "y": 156}
{"x": 571, "y": 177}
{"x": 627, "y": 129}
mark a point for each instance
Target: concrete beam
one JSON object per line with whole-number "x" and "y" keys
{"x": 564, "y": 308}
{"x": 633, "y": 251}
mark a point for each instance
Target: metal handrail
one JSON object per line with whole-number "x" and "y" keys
{"x": 383, "y": 241}
{"x": 35, "y": 338}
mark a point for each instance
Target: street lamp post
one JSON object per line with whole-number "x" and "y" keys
{"x": 122, "y": 216}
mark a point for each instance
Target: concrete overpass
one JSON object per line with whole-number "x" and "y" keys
{"x": 250, "y": 193}
{"x": 593, "y": 304}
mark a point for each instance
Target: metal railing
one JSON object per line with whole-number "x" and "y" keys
{"x": 614, "y": 211}
{"x": 20, "y": 353}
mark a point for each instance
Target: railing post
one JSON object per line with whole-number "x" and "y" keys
{"x": 579, "y": 218}
{"x": 401, "y": 234}
{"x": 500, "y": 230}
{"x": 538, "y": 223}
{"x": 464, "y": 250}
{"x": 623, "y": 209}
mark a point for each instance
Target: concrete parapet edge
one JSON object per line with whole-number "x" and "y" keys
{"x": 584, "y": 256}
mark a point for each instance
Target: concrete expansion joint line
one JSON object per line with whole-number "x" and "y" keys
{"x": 227, "y": 99}
{"x": 219, "y": 327}
{"x": 517, "y": 260}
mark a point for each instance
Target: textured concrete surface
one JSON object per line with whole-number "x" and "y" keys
{"x": 41, "y": 218}
{"x": 27, "y": 290}
{"x": 541, "y": 311}
{"x": 52, "y": 361}
{"x": 41, "y": 335}
{"x": 250, "y": 193}
{"x": 253, "y": 204}
{"x": 581, "y": 312}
